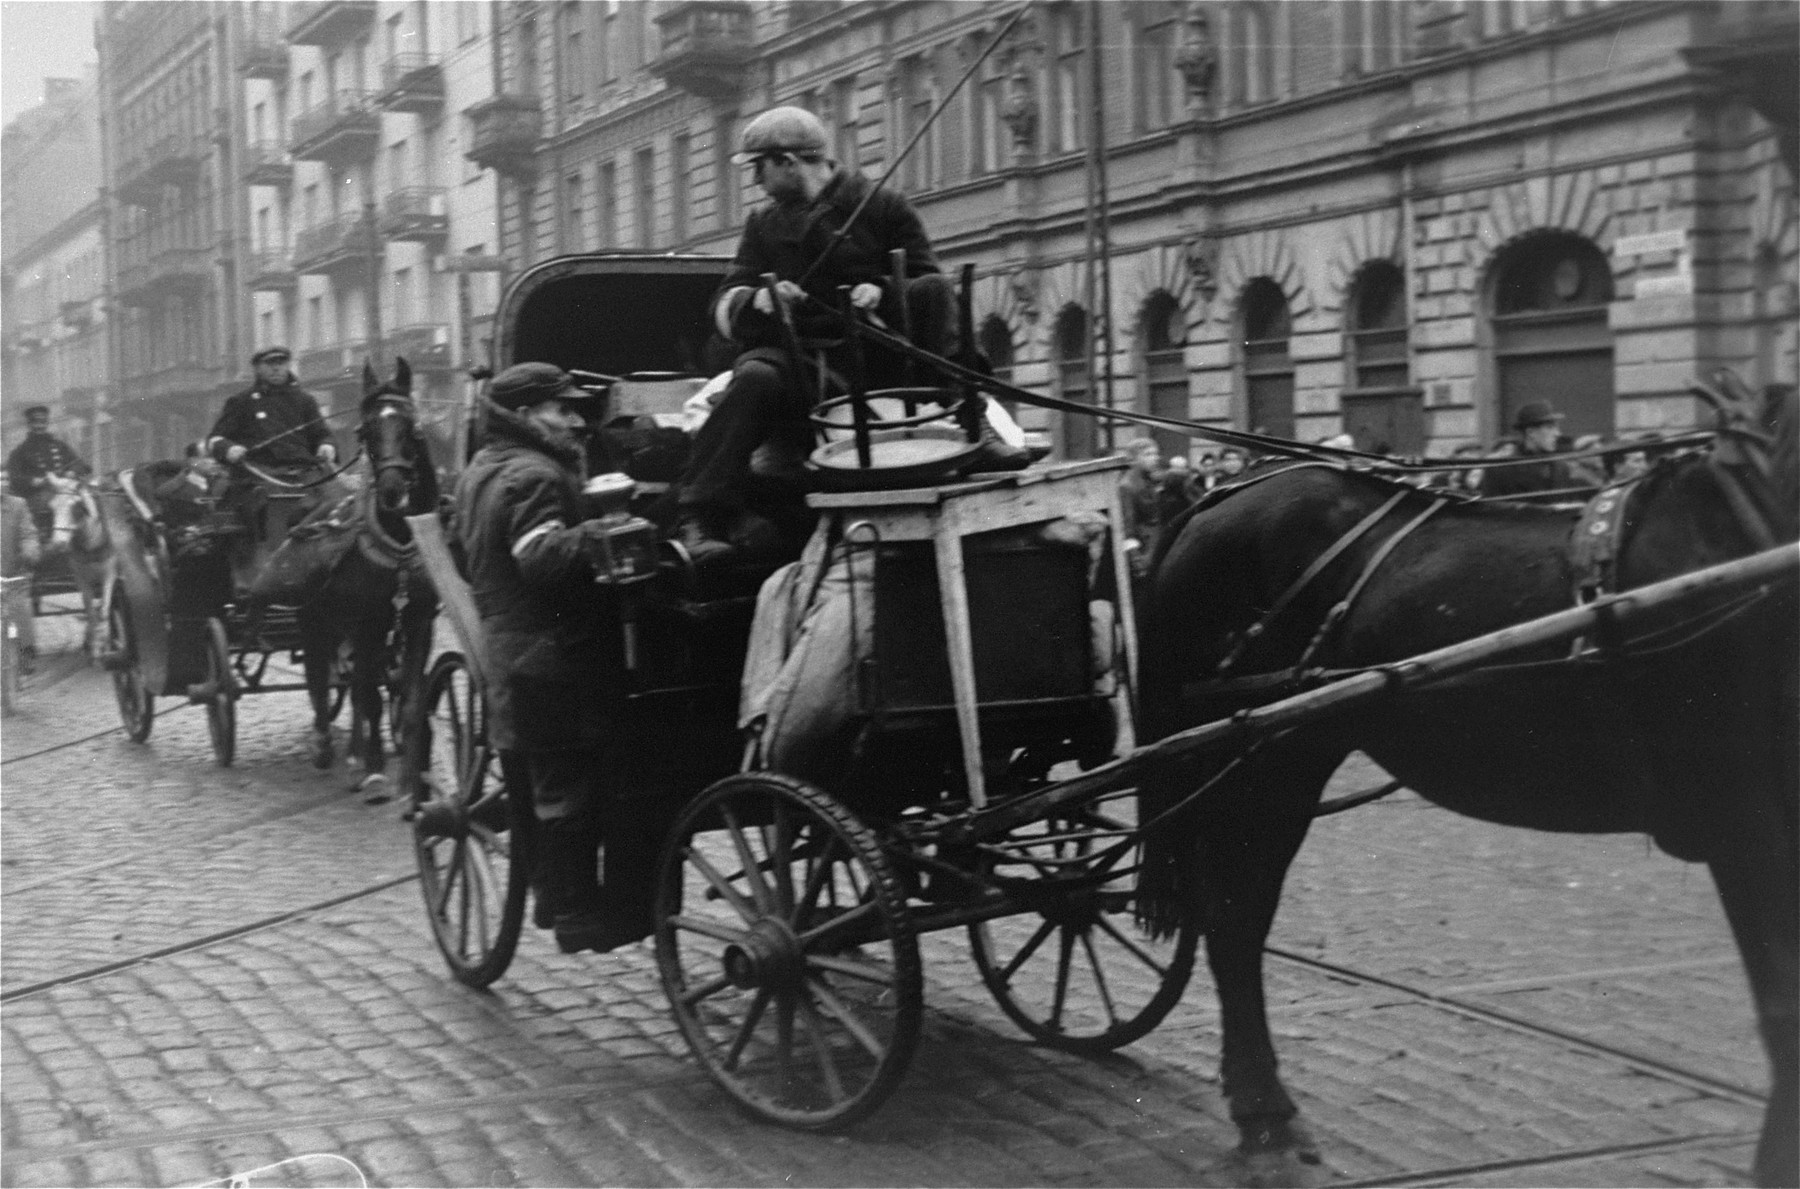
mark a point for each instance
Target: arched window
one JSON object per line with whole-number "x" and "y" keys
{"x": 1268, "y": 368}
{"x": 1164, "y": 336}
{"x": 1551, "y": 339}
{"x": 1378, "y": 332}
{"x": 1074, "y": 382}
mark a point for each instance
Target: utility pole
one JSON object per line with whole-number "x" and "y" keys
{"x": 373, "y": 307}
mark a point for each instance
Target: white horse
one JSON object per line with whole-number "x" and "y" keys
{"x": 78, "y": 534}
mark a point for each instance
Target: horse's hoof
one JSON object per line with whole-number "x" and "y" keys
{"x": 1275, "y": 1170}
{"x": 375, "y": 789}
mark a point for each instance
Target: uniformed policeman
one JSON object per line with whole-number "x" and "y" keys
{"x": 274, "y": 423}
{"x": 32, "y": 463}
{"x": 553, "y": 652}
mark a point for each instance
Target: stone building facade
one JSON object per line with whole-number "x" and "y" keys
{"x": 53, "y": 341}
{"x": 1400, "y": 218}
{"x": 294, "y": 174}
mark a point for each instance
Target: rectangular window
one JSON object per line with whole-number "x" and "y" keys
{"x": 1153, "y": 74}
{"x": 646, "y": 196}
{"x": 845, "y": 103}
{"x": 574, "y": 63}
{"x": 725, "y": 174}
{"x": 607, "y": 186}
{"x": 916, "y": 101}
{"x": 610, "y": 32}
{"x": 679, "y": 148}
{"x": 404, "y": 297}
{"x": 315, "y": 321}
{"x": 1068, "y": 114}
{"x": 468, "y": 22}
{"x": 577, "y": 214}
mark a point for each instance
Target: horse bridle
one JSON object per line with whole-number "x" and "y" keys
{"x": 392, "y": 405}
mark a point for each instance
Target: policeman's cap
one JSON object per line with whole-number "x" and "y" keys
{"x": 789, "y": 131}
{"x": 525, "y": 384}
{"x": 271, "y": 355}
{"x": 1536, "y": 412}
{"x": 38, "y": 411}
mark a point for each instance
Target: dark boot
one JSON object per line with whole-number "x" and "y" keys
{"x": 703, "y": 537}
{"x": 564, "y": 874}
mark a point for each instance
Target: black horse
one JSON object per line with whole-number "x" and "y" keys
{"x": 366, "y": 602}
{"x": 1687, "y": 730}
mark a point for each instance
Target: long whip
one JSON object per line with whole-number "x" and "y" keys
{"x": 838, "y": 236}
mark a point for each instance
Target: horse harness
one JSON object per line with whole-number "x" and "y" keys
{"x": 1340, "y": 610}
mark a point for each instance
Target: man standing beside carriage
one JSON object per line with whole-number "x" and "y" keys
{"x": 520, "y": 522}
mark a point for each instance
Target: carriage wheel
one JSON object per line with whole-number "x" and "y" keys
{"x": 473, "y": 855}
{"x": 787, "y": 952}
{"x": 11, "y": 671}
{"x": 1080, "y": 975}
{"x": 137, "y": 705}
{"x": 221, "y": 699}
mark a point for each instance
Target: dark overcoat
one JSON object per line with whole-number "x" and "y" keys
{"x": 553, "y": 649}
{"x": 278, "y": 424}
{"x": 786, "y": 238}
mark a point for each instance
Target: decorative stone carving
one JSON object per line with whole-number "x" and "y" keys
{"x": 1020, "y": 109}
{"x": 1203, "y": 267}
{"x": 1024, "y": 287}
{"x": 1197, "y": 60}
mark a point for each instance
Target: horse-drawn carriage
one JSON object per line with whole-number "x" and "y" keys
{"x": 983, "y": 771}
{"x": 209, "y": 590}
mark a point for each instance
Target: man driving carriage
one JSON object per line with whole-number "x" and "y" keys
{"x": 520, "y": 523}
{"x": 274, "y": 426}
{"x": 35, "y": 461}
{"x": 796, "y": 237}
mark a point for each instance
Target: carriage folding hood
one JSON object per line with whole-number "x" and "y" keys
{"x": 611, "y": 313}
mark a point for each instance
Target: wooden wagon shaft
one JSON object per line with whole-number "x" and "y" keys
{"x": 452, "y": 591}
{"x": 1314, "y": 704}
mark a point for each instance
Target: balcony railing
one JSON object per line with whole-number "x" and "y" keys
{"x": 181, "y": 268}
{"x": 175, "y": 159}
{"x": 134, "y": 283}
{"x": 338, "y": 245}
{"x": 412, "y": 82}
{"x": 261, "y": 55}
{"x": 331, "y": 364}
{"x": 706, "y": 46}
{"x": 420, "y": 215}
{"x": 424, "y": 344}
{"x": 272, "y": 272}
{"x": 134, "y": 183}
{"x": 345, "y": 127}
{"x": 503, "y": 134}
{"x": 266, "y": 164}
{"x": 330, "y": 22}
{"x": 184, "y": 379}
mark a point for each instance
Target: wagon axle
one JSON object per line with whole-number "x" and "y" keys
{"x": 769, "y": 956}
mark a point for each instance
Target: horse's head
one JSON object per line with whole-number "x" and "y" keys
{"x": 74, "y": 516}
{"x": 390, "y": 436}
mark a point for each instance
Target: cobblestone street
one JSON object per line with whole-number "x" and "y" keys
{"x": 209, "y": 970}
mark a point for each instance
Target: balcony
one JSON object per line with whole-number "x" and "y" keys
{"x": 346, "y": 127}
{"x": 184, "y": 379}
{"x": 417, "y": 215}
{"x": 175, "y": 159}
{"x": 503, "y": 134}
{"x": 77, "y": 315}
{"x": 340, "y": 245}
{"x": 424, "y": 345}
{"x": 706, "y": 47}
{"x": 263, "y": 56}
{"x": 330, "y": 22}
{"x": 266, "y": 164}
{"x": 181, "y": 270}
{"x": 271, "y": 272}
{"x": 332, "y": 365}
{"x": 133, "y": 182}
{"x": 134, "y": 283}
{"x": 412, "y": 82}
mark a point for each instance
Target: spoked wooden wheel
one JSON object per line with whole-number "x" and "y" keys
{"x": 221, "y": 693}
{"x": 12, "y": 663}
{"x": 787, "y": 952}
{"x": 137, "y": 705}
{"x": 1080, "y": 974}
{"x": 473, "y": 849}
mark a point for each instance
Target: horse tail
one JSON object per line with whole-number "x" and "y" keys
{"x": 1168, "y": 890}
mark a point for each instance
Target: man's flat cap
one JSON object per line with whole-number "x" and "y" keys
{"x": 525, "y": 384}
{"x": 1536, "y": 412}
{"x": 783, "y": 130}
{"x": 271, "y": 355}
{"x": 37, "y": 411}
